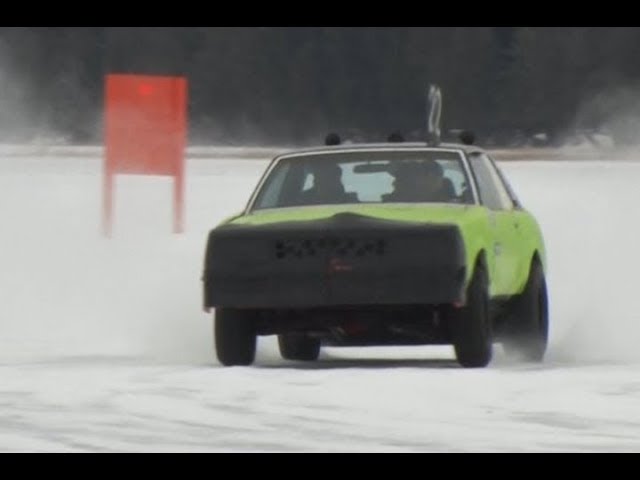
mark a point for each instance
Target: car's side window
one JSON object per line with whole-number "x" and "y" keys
{"x": 270, "y": 197}
{"x": 512, "y": 195}
{"x": 492, "y": 191}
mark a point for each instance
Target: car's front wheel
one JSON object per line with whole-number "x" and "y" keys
{"x": 471, "y": 325}
{"x": 235, "y": 337}
{"x": 528, "y": 328}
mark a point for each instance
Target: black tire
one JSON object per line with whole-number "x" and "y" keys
{"x": 235, "y": 337}
{"x": 299, "y": 347}
{"x": 527, "y": 333}
{"x": 471, "y": 325}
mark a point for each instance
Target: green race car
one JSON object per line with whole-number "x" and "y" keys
{"x": 376, "y": 245}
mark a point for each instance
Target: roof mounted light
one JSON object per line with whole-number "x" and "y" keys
{"x": 332, "y": 140}
{"x": 396, "y": 137}
{"x": 467, "y": 137}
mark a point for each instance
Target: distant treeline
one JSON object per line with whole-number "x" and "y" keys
{"x": 294, "y": 84}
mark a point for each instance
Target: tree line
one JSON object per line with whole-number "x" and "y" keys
{"x": 294, "y": 84}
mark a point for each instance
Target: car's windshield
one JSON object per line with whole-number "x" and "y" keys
{"x": 420, "y": 176}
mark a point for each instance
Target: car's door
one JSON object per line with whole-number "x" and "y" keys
{"x": 503, "y": 221}
{"x": 527, "y": 234}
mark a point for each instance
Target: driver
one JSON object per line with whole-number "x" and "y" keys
{"x": 328, "y": 188}
{"x": 417, "y": 182}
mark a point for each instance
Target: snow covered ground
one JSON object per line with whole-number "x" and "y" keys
{"x": 104, "y": 347}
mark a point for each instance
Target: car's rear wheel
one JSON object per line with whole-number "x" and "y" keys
{"x": 235, "y": 337}
{"x": 527, "y": 332}
{"x": 299, "y": 347}
{"x": 471, "y": 325}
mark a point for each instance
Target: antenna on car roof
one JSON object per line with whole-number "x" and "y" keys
{"x": 434, "y": 113}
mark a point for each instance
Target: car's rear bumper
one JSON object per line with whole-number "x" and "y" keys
{"x": 347, "y": 260}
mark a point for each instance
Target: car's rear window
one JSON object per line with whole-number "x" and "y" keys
{"x": 365, "y": 177}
